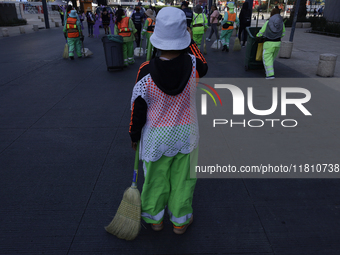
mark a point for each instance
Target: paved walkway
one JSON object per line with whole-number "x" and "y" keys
{"x": 65, "y": 156}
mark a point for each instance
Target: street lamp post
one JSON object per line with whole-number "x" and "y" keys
{"x": 297, "y": 7}
{"x": 44, "y": 4}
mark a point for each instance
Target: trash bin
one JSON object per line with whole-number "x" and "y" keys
{"x": 113, "y": 48}
{"x": 250, "y": 62}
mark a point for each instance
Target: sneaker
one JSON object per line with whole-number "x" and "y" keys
{"x": 208, "y": 39}
{"x": 270, "y": 77}
{"x": 179, "y": 230}
{"x": 226, "y": 49}
{"x": 71, "y": 57}
{"x": 157, "y": 227}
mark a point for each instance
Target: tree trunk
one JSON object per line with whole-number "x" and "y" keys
{"x": 74, "y": 4}
{"x": 302, "y": 10}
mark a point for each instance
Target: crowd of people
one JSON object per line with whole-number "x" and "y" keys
{"x": 136, "y": 23}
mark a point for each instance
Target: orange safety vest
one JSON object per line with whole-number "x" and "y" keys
{"x": 231, "y": 17}
{"x": 71, "y": 26}
{"x": 123, "y": 27}
{"x": 151, "y": 25}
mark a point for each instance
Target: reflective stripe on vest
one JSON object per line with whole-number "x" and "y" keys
{"x": 231, "y": 18}
{"x": 123, "y": 27}
{"x": 71, "y": 26}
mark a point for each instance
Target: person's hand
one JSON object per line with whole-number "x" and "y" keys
{"x": 190, "y": 32}
{"x": 65, "y": 35}
{"x": 134, "y": 146}
{"x": 82, "y": 38}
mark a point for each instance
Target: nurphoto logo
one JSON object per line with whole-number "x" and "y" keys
{"x": 238, "y": 105}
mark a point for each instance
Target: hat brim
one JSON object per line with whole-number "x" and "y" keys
{"x": 173, "y": 44}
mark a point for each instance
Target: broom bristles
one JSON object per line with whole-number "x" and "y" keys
{"x": 126, "y": 223}
{"x": 237, "y": 45}
{"x": 205, "y": 49}
{"x": 65, "y": 53}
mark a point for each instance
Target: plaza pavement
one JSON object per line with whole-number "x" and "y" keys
{"x": 65, "y": 156}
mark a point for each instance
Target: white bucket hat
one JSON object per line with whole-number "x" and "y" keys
{"x": 170, "y": 30}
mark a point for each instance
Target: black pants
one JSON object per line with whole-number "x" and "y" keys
{"x": 242, "y": 30}
{"x": 213, "y": 29}
{"x": 139, "y": 29}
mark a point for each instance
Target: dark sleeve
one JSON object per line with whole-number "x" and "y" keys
{"x": 139, "y": 108}
{"x": 201, "y": 63}
{"x": 138, "y": 118}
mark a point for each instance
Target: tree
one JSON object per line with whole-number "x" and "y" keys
{"x": 302, "y": 10}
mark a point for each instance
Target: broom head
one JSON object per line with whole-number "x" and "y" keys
{"x": 237, "y": 45}
{"x": 127, "y": 222}
{"x": 65, "y": 53}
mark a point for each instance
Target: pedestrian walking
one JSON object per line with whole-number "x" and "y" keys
{"x": 272, "y": 31}
{"x": 245, "y": 20}
{"x": 147, "y": 31}
{"x": 73, "y": 33}
{"x": 137, "y": 19}
{"x": 199, "y": 25}
{"x": 188, "y": 12}
{"x": 90, "y": 21}
{"x": 164, "y": 119}
{"x": 228, "y": 26}
{"x": 125, "y": 28}
{"x": 105, "y": 20}
{"x": 213, "y": 22}
{"x": 81, "y": 17}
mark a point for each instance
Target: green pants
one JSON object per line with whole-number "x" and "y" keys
{"x": 74, "y": 44}
{"x": 225, "y": 37}
{"x": 198, "y": 39}
{"x": 270, "y": 51}
{"x": 168, "y": 183}
{"x": 128, "y": 53}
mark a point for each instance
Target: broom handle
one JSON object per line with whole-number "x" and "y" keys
{"x": 135, "y": 170}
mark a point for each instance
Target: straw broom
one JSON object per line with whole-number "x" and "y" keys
{"x": 65, "y": 53}
{"x": 237, "y": 45}
{"x": 127, "y": 222}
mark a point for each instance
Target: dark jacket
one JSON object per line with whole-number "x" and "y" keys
{"x": 245, "y": 15}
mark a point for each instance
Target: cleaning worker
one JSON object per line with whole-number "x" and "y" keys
{"x": 164, "y": 119}
{"x": 199, "y": 25}
{"x": 74, "y": 35}
{"x": 137, "y": 19}
{"x": 188, "y": 12}
{"x": 147, "y": 31}
{"x": 125, "y": 28}
{"x": 273, "y": 30}
{"x": 228, "y": 26}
